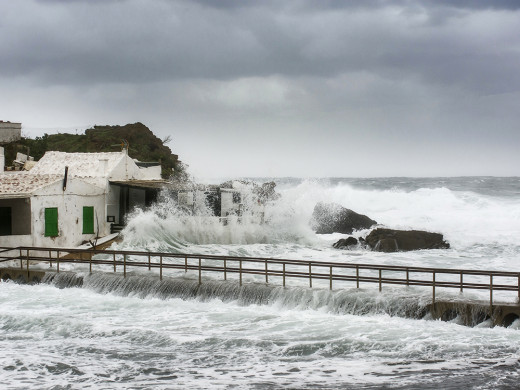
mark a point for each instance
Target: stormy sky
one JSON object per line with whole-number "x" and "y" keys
{"x": 277, "y": 88}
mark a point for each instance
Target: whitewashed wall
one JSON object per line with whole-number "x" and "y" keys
{"x": 70, "y": 205}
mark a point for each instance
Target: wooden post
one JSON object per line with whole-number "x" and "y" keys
{"x": 50, "y": 258}
{"x": 283, "y": 273}
{"x": 357, "y": 276}
{"x": 124, "y": 265}
{"x": 21, "y": 259}
{"x": 27, "y": 265}
{"x": 310, "y": 275}
{"x": 160, "y": 268}
{"x": 380, "y": 280}
{"x": 433, "y": 293}
{"x": 90, "y": 262}
{"x": 225, "y": 269}
{"x": 114, "y": 257}
{"x": 407, "y": 277}
{"x": 330, "y": 278}
{"x": 240, "y": 272}
{"x": 185, "y": 263}
{"x": 491, "y": 295}
{"x": 149, "y": 263}
{"x": 200, "y": 272}
{"x": 266, "y": 273}
{"x": 58, "y": 261}
{"x": 519, "y": 287}
{"x": 461, "y": 282}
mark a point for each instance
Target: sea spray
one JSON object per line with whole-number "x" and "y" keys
{"x": 346, "y": 301}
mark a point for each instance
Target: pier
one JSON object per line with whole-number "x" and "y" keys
{"x": 283, "y": 272}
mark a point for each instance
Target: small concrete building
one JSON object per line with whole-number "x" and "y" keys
{"x": 69, "y": 198}
{"x": 10, "y": 132}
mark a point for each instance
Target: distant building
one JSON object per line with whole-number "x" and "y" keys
{"x": 69, "y": 198}
{"x": 10, "y": 132}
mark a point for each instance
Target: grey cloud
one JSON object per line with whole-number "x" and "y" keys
{"x": 139, "y": 42}
{"x": 334, "y": 79}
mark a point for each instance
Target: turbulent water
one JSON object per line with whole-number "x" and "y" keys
{"x": 110, "y": 332}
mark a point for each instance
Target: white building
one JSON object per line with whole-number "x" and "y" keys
{"x": 10, "y": 132}
{"x": 69, "y": 198}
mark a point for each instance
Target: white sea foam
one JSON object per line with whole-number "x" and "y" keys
{"x": 110, "y": 339}
{"x": 85, "y": 339}
{"x": 481, "y": 229}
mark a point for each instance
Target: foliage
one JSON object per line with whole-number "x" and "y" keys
{"x": 143, "y": 145}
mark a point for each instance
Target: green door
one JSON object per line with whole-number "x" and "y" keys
{"x": 51, "y": 222}
{"x": 88, "y": 220}
{"x": 5, "y": 221}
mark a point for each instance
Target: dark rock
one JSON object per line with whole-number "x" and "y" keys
{"x": 390, "y": 240}
{"x": 387, "y": 245}
{"x": 345, "y": 242}
{"x": 333, "y": 218}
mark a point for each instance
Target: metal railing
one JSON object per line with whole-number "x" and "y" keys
{"x": 270, "y": 268}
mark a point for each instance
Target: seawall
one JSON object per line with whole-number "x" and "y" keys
{"x": 341, "y": 301}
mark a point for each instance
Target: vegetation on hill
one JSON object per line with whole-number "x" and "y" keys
{"x": 143, "y": 145}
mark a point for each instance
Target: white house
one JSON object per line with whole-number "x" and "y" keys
{"x": 69, "y": 198}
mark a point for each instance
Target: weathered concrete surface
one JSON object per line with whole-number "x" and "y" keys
{"x": 21, "y": 275}
{"x": 471, "y": 313}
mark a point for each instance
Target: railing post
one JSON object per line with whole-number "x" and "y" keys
{"x": 21, "y": 259}
{"x": 200, "y": 272}
{"x": 407, "y": 277}
{"x": 58, "y": 262}
{"x": 114, "y": 257}
{"x": 240, "y": 261}
{"x": 266, "y": 273}
{"x": 27, "y": 265}
{"x": 283, "y": 273}
{"x": 330, "y": 278}
{"x": 124, "y": 265}
{"x": 50, "y": 258}
{"x": 225, "y": 269}
{"x": 491, "y": 295}
{"x": 357, "y": 276}
{"x": 518, "y": 287}
{"x": 380, "y": 280}
{"x": 461, "y": 281}
{"x": 185, "y": 263}
{"x": 90, "y": 262}
{"x": 310, "y": 275}
{"x": 433, "y": 293}
{"x": 160, "y": 267}
{"x": 149, "y": 263}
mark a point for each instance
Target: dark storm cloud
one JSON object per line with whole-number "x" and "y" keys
{"x": 414, "y": 85}
{"x": 135, "y": 41}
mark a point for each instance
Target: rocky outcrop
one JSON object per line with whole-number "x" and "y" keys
{"x": 345, "y": 242}
{"x": 333, "y": 218}
{"x": 390, "y": 240}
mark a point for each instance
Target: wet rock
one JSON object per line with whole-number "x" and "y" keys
{"x": 345, "y": 242}
{"x": 390, "y": 240}
{"x": 333, "y": 218}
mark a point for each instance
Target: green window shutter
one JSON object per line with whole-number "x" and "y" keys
{"x": 88, "y": 220}
{"x": 51, "y": 222}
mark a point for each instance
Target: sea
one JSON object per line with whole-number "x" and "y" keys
{"x": 115, "y": 333}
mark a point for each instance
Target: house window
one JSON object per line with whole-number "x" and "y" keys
{"x": 88, "y": 220}
{"x": 5, "y": 221}
{"x": 51, "y": 222}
